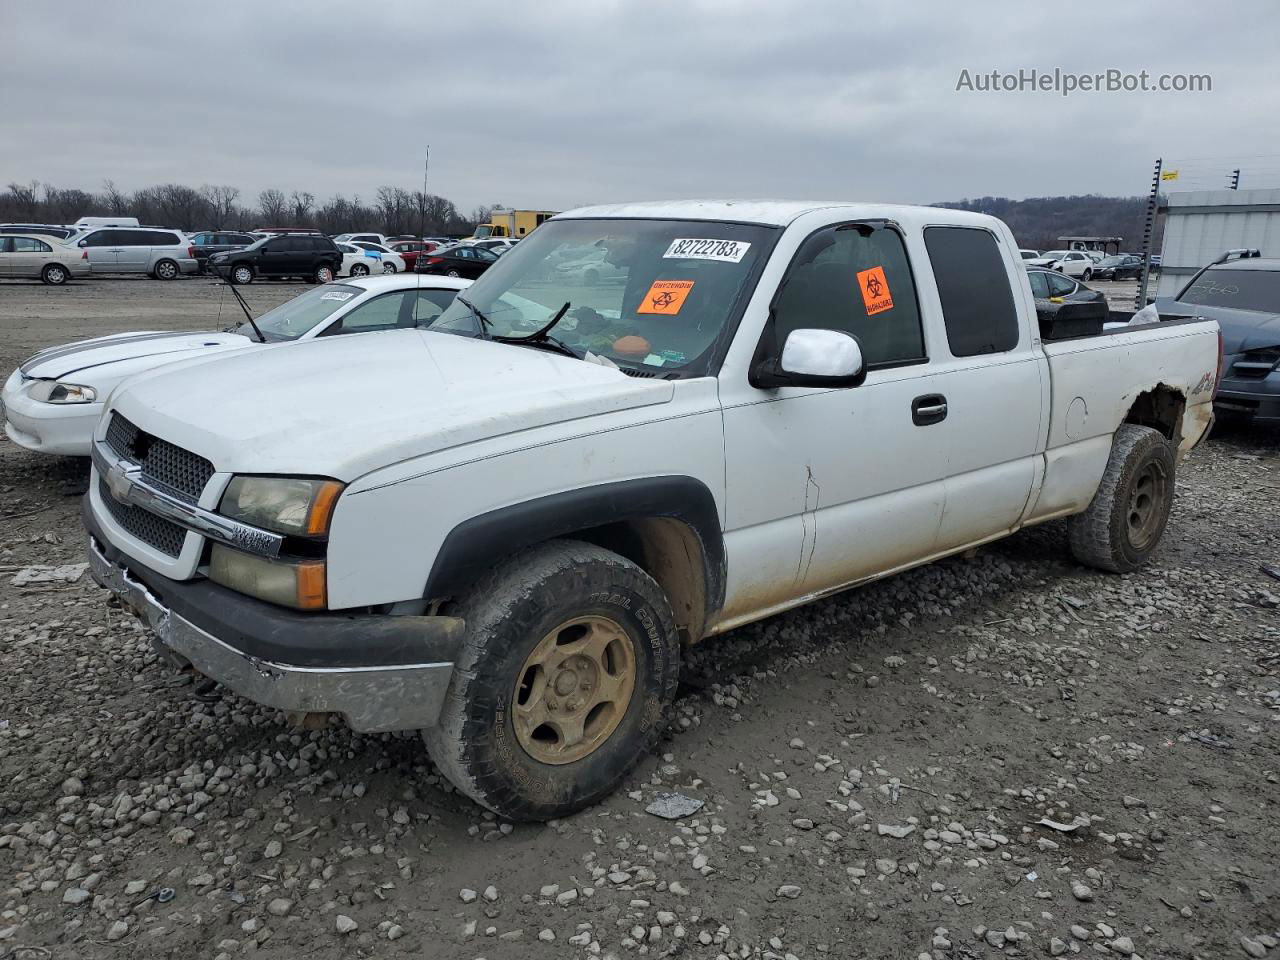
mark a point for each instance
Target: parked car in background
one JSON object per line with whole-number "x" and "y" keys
{"x": 40, "y": 257}
{"x": 92, "y": 223}
{"x": 1074, "y": 263}
{"x": 56, "y": 231}
{"x": 498, "y": 245}
{"x": 590, "y": 270}
{"x": 1242, "y": 292}
{"x": 1122, "y": 266}
{"x": 384, "y": 253}
{"x": 410, "y": 250}
{"x": 1027, "y": 253}
{"x": 210, "y": 242}
{"x": 164, "y": 254}
{"x": 310, "y": 256}
{"x": 359, "y": 262}
{"x": 284, "y": 231}
{"x": 380, "y": 238}
{"x": 53, "y": 400}
{"x": 1052, "y": 289}
{"x": 459, "y": 260}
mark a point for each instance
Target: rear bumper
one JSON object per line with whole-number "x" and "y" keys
{"x": 1260, "y": 400}
{"x": 381, "y": 673}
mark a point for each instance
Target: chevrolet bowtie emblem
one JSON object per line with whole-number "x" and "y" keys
{"x": 120, "y": 482}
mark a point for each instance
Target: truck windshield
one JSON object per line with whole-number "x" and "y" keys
{"x": 651, "y": 295}
{"x": 295, "y": 317}
{"x": 1238, "y": 289}
{"x": 483, "y": 231}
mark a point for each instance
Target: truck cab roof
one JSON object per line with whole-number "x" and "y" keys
{"x": 776, "y": 213}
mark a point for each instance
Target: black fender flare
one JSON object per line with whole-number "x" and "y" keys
{"x": 475, "y": 545}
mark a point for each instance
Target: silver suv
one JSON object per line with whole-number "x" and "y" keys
{"x": 164, "y": 254}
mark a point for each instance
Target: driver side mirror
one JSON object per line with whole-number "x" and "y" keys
{"x": 813, "y": 358}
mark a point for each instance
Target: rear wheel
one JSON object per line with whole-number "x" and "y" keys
{"x": 54, "y": 274}
{"x": 1123, "y": 525}
{"x": 563, "y": 683}
{"x": 1088, "y": 275}
{"x": 241, "y": 273}
{"x": 359, "y": 270}
{"x": 165, "y": 270}
{"x": 453, "y": 273}
{"x": 388, "y": 267}
{"x": 322, "y": 274}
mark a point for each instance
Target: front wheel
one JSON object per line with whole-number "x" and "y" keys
{"x": 1088, "y": 275}
{"x": 563, "y": 683}
{"x": 322, "y": 274}
{"x": 1123, "y": 525}
{"x": 54, "y": 274}
{"x": 453, "y": 273}
{"x": 241, "y": 273}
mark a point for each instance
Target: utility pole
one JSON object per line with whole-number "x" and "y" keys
{"x": 1148, "y": 230}
{"x": 422, "y": 211}
{"x": 1235, "y": 179}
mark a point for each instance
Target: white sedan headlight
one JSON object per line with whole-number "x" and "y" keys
{"x": 298, "y": 506}
{"x": 55, "y": 391}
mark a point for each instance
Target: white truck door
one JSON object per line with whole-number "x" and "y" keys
{"x": 827, "y": 487}
{"x": 992, "y": 377}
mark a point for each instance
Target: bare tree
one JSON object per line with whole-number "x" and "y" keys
{"x": 114, "y": 201}
{"x": 24, "y": 199}
{"x": 272, "y": 204}
{"x": 302, "y": 202}
{"x": 222, "y": 201}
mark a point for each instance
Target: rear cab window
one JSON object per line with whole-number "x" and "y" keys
{"x": 978, "y": 308}
{"x": 1257, "y": 290}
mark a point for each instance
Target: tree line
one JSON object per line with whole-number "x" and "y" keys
{"x": 1039, "y": 221}
{"x": 391, "y": 210}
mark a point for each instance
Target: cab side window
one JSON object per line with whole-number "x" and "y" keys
{"x": 855, "y": 279}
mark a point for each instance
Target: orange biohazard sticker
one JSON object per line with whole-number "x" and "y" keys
{"x": 875, "y": 290}
{"x": 665, "y": 297}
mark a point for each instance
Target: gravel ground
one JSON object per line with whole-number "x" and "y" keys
{"x": 1002, "y": 754}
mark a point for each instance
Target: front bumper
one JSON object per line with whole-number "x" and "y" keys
{"x": 62, "y": 429}
{"x": 381, "y": 673}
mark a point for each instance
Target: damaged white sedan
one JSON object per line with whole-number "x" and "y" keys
{"x": 52, "y": 402}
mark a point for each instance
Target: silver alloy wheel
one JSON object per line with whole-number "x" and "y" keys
{"x": 166, "y": 270}
{"x": 359, "y": 270}
{"x": 324, "y": 275}
{"x": 55, "y": 274}
{"x": 388, "y": 267}
{"x": 242, "y": 274}
{"x": 453, "y": 273}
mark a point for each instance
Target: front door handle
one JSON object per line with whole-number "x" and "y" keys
{"x": 929, "y": 409}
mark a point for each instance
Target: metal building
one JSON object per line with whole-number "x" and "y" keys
{"x": 1201, "y": 225}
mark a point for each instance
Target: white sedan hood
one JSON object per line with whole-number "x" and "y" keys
{"x": 123, "y": 354}
{"x": 344, "y": 406}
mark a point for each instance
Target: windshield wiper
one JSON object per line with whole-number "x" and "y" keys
{"x": 542, "y": 336}
{"x": 485, "y": 322}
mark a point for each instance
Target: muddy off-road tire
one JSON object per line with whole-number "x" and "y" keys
{"x": 1127, "y": 517}
{"x": 564, "y": 681}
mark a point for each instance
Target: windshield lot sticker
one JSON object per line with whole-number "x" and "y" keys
{"x": 875, "y": 291}
{"x": 337, "y": 295}
{"x": 726, "y": 251}
{"x": 665, "y": 297}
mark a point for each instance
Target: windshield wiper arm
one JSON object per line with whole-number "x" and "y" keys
{"x": 485, "y": 322}
{"x": 243, "y": 306}
{"x": 543, "y": 335}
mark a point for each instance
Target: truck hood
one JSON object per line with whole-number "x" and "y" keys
{"x": 343, "y": 406}
{"x": 122, "y": 354}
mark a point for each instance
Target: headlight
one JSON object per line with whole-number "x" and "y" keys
{"x": 298, "y": 584}
{"x": 55, "y": 391}
{"x": 290, "y": 505}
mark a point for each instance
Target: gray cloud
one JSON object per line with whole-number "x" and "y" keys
{"x": 556, "y": 103}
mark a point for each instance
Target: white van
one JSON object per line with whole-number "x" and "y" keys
{"x": 89, "y": 223}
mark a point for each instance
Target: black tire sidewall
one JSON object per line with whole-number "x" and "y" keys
{"x": 48, "y": 273}
{"x": 507, "y": 777}
{"x": 1153, "y": 448}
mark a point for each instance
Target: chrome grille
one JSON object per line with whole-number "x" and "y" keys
{"x": 154, "y": 531}
{"x": 178, "y": 471}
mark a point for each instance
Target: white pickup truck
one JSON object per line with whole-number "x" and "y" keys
{"x": 502, "y": 529}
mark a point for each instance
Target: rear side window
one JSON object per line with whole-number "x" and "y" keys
{"x": 856, "y": 280}
{"x": 30, "y": 245}
{"x": 156, "y": 238}
{"x": 977, "y": 301}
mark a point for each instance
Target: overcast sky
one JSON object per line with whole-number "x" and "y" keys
{"x": 550, "y": 104}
